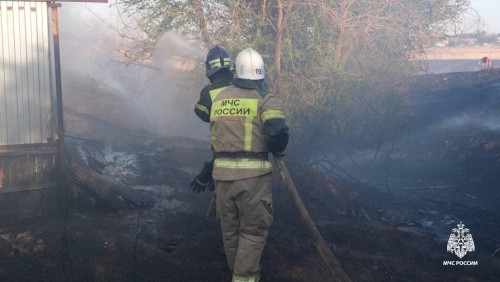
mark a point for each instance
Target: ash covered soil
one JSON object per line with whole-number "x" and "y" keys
{"x": 176, "y": 241}
{"x": 375, "y": 235}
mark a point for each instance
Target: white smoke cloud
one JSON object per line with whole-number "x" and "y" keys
{"x": 471, "y": 121}
{"x": 165, "y": 96}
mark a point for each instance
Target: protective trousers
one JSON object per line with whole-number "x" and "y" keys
{"x": 246, "y": 213}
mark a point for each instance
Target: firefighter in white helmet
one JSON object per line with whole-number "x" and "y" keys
{"x": 246, "y": 125}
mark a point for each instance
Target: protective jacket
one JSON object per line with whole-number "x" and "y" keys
{"x": 220, "y": 80}
{"x": 246, "y": 123}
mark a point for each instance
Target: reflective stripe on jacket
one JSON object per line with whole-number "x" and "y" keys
{"x": 237, "y": 120}
{"x": 204, "y": 105}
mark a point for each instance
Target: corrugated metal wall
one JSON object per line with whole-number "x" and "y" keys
{"x": 26, "y": 115}
{"x": 28, "y": 164}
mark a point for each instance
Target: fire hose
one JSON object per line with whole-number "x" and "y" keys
{"x": 328, "y": 257}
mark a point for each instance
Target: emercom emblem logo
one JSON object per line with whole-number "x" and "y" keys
{"x": 460, "y": 241}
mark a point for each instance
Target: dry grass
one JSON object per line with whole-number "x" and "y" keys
{"x": 464, "y": 53}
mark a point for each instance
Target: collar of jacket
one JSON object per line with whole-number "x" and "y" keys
{"x": 222, "y": 76}
{"x": 259, "y": 85}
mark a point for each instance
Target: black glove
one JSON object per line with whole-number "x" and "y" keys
{"x": 197, "y": 186}
{"x": 203, "y": 179}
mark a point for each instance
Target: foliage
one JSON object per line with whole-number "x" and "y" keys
{"x": 338, "y": 65}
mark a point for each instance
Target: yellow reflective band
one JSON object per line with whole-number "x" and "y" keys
{"x": 238, "y": 278}
{"x": 198, "y": 181}
{"x": 202, "y": 108}
{"x": 226, "y": 63}
{"x": 237, "y": 107}
{"x": 242, "y": 164}
{"x": 215, "y": 92}
{"x": 270, "y": 114}
{"x": 213, "y": 137}
{"x": 247, "y": 139}
{"x": 216, "y": 62}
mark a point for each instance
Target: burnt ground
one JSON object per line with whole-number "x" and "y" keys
{"x": 376, "y": 236}
{"x": 176, "y": 241}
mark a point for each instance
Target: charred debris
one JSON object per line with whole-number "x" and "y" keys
{"x": 129, "y": 214}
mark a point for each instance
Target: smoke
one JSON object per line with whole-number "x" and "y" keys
{"x": 466, "y": 121}
{"x": 162, "y": 97}
{"x": 483, "y": 116}
{"x": 172, "y": 45}
{"x": 171, "y": 90}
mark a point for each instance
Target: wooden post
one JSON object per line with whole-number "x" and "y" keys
{"x": 328, "y": 257}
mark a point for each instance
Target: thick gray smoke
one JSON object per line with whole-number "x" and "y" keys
{"x": 162, "y": 98}
{"x": 171, "y": 90}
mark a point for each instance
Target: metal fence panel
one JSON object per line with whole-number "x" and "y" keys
{"x": 28, "y": 182}
{"x": 25, "y": 74}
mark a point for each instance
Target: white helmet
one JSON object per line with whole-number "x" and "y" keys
{"x": 249, "y": 65}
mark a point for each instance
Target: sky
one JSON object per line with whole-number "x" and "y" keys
{"x": 489, "y": 11}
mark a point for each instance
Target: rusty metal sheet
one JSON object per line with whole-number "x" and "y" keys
{"x": 28, "y": 181}
{"x": 27, "y": 169}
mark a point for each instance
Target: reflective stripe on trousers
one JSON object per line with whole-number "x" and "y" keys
{"x": 245, "y": 212}
{"x": 238, "y": 278}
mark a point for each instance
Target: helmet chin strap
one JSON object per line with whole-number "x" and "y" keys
{"x": 220, "y": 57}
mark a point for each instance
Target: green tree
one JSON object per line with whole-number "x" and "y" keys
{"x": 339, "y": 66}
